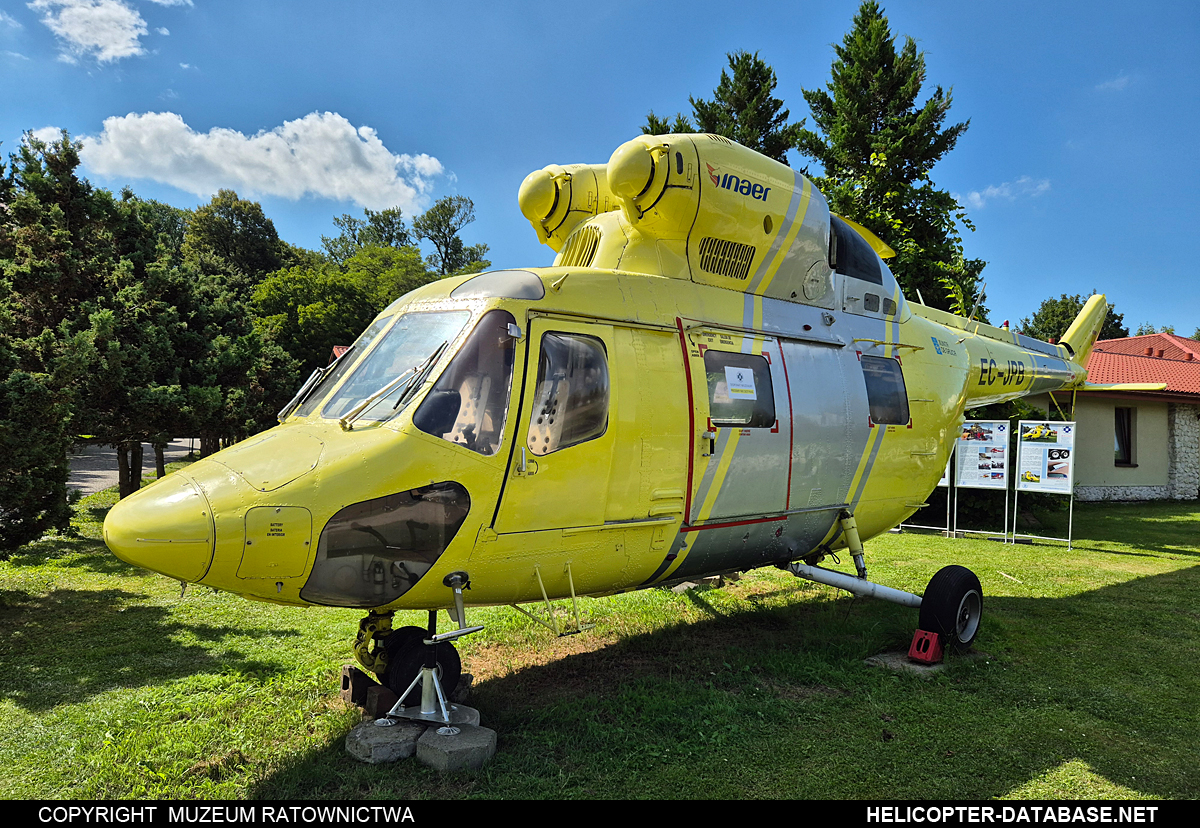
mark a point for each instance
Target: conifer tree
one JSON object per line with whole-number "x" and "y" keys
{"x": 877, "y": 146}
{"x": 743, "y": 109}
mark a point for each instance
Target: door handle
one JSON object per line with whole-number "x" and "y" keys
{"x": 525, "y": 467}
{"x": 711, "y": 436}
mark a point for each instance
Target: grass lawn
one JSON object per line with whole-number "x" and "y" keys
{"x": 113, "y": 685}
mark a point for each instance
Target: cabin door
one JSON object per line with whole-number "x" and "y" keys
{"x": 558, "y": 475}
{"x": 743, "y": 403}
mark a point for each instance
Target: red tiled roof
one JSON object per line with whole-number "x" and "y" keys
{"x": 1173, "y": 347}
{"x": 1125, "y": 360}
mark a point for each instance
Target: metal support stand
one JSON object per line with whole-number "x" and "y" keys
{"x": 433, "y": 706}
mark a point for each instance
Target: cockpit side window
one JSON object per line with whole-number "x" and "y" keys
{"x": 886, "y": 394}
{"x": 571, "y": 402}
{"x": 852, "y": 255}
{"x": 469, "y": 402}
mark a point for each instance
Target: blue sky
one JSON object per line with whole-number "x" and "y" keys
{"x": 1079, "y": 168}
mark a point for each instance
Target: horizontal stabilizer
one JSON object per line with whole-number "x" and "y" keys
{"x": 1123, "y": 386}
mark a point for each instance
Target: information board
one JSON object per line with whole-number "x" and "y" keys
{"x": 982, "y": 451}
{"x": 1045, "y": 457}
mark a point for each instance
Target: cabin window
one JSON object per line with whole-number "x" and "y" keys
{"x": 402, "y": 355}
{"x": 1125, "y": 435}
{"x": 739, "y": 389}
{"x": 570, "y": 404}
{"x": 886, "y": 395}
{"x": 852, "y": 254}
{"x": 469, "y": 402}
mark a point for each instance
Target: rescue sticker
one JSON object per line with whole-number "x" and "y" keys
{"x": 741, "y": 383}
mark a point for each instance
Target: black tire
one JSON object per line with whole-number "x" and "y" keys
{"x": 953, "y": 607}
{"x": 397, "y": 640}
{"x": 405, "y": 665}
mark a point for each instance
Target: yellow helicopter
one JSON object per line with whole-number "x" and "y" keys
{"x": 716, "y": 374}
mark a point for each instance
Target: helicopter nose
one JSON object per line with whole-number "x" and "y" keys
{"x": 166, "y": 527}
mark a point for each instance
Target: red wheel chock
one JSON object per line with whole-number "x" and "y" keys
{"x": 926, "y": 647}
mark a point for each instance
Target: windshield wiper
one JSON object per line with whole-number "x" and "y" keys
{"x": 310, "y": 384}
{"x": 347, "y": 422}
{"x": 419, "y": 380}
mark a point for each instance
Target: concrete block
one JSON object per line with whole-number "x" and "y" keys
{"x": 376, "y": 745}
{"x": 355, "y": 684}
{"x": 379, "y": 700}
{"x": 470, "y": 748}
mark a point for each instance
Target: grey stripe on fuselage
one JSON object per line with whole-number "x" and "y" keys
{"x": 776, "y": 243}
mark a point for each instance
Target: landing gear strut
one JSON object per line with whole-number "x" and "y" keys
{"x": 951, "y": 607}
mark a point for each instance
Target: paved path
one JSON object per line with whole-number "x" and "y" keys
{"x": 94, "y": 466}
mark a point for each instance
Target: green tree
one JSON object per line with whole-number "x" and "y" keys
{"x": 440, "y": 225}
{"x": 307, "y": 312}
{"x": 661, "y": 126}
{"x": 34, "y": 441}
{"x": 1054, "y": 316}
{"x": 1148, "y": 328}
{"x": 238, "y": 234}
{"x": 743, "y": 109}
{"x": 387, "y": 273}
{"x": 384, "y": 228}
{"x": 877, "y": 146}
{"x": 84, "y": 305}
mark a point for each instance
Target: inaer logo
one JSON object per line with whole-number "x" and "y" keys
{"x": 744, "y": 186}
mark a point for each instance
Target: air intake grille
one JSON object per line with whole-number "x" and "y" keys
{"x": 580, "y": 248}
{"x": 726, "y": 258}
{"x": 720, "y": 139}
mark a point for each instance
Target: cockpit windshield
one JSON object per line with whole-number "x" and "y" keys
{"x": 403, "y": 358}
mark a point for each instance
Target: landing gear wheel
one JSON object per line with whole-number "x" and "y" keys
{"x": 405, "y": 664}
{"x": 397, "y": 640}
{"x": 953, "y": 606}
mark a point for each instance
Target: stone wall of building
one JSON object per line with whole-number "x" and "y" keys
{"x": 1122, "y": 492}
{"x": 1183, "y": 451}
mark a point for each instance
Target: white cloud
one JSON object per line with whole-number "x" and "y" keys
{"x": 1009, "y": 190}
{"x": 172, "y": 2}
{"x": 1116, "y": 84}
{"x": 7, "y": 20}
{"x": 105, "y": 29}
{"x": 15, "y": 55}
{"x": 163, "y": 30}
{"x": 321, "y": 154}
{"x": 47, "y": 134}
